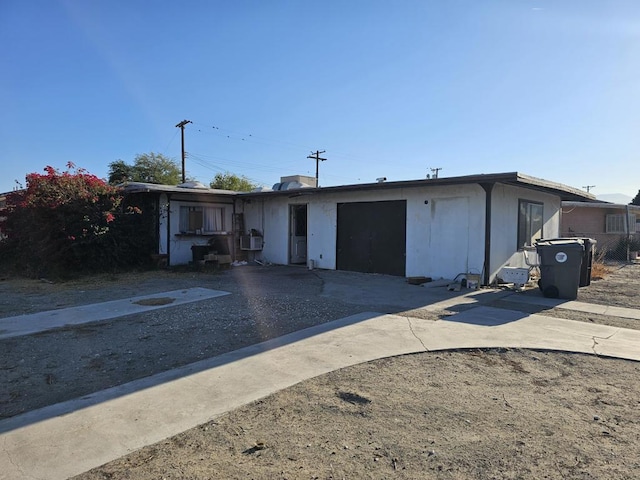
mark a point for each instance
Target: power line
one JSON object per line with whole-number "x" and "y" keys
{"x": 240, "y": 164}
{"x": 252, "y": 138}
{"x": 170, "y": 142}
{"x": 246, "y": 137}
{"x": 216, "y": 168}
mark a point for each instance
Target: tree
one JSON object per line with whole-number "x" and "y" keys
{"x": 148, "y": 168}
{"x": 636, "y": 200}
{"x": 230, "y": 181}
{"x": 67, "y": 221}
{"x": 120, "y": 172}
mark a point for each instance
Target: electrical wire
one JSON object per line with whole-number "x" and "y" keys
{"x": 219, "y": 169}
{"x": 175, "y": 134}
{"x": 249, "y": 138}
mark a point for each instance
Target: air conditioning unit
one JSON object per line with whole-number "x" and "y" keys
{"x": 250, "y": 242}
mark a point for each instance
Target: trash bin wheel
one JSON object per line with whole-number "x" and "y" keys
{"x": 551, "y": 292}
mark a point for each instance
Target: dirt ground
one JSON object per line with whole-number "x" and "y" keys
{"x": 463, "y": 414}
{"x": 480, "y": 414}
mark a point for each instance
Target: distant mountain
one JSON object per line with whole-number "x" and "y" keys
{"x": 615, "y": 198}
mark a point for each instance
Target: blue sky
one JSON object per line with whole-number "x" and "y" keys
{"x": 545, "y": 87}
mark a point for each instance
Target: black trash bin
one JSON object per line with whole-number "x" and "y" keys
{"x": 560, "y": 267}
{"x": 587, "y": 261}
{"x": 198, "y": 252}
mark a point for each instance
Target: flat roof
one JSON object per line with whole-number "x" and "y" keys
{"x": 511, "y": 178}
{"x": 141, "y": 187}
{"x": 601, "y": 204}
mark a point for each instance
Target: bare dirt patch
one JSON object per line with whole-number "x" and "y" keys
{"x": 478, "y": 414}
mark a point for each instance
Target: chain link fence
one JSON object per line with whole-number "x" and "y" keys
{"x": 615, "y": 247}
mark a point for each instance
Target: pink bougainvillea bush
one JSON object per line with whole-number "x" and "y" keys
{"x": 69, "y": 221}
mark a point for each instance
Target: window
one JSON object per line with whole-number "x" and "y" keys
{"x": 530, "y": 221}
{"x": 201, "y": 219}
{"x": 616, "y": 223}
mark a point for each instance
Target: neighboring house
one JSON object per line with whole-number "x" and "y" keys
{"x": 437, "y": 228}
{"x": 185, "y": 215}
{"x": 612, "y": 225}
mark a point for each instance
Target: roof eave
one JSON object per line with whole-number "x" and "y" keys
{"x": 510, "y": 178}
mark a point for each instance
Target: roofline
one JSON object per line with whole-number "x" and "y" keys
{"x": 601, "y": 204}
{"x": 511, "y": 178}
{"x": 142, "y": 187}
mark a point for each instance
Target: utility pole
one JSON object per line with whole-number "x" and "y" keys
{"x": 588, "y": 187}
{"x": 181, "y": 126}
{"x": 316, "y": 156}
{"x": 435, "y": 171}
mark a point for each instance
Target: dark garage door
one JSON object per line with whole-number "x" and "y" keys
{"x": 372, "y": 237}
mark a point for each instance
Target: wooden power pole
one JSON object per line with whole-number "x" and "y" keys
{"x": 181, "y": 126}
{"x": 316, "y": 156}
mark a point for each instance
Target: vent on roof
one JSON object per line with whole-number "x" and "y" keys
{"x": 194, "y": 185}
{"x": 294, "y": 182}
{"x": 290, "y": 186}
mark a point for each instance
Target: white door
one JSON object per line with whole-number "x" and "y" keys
{"x": 449, "y": 246}
{"x": 297, "y": 234}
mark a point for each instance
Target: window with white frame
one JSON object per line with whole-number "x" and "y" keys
{"x": 201, "y": 219}
{"x": 530, "y": 221}
{"x": 615, "y": 223}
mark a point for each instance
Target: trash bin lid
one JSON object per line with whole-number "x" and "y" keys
{"x": 561, "y": 242}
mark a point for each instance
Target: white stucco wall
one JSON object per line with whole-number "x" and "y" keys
{"x": 504, "y": 234}
{"x": 427, "y": 252}
{"x": 444, "y": 236}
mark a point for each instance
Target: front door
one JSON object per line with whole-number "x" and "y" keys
{"x": 297, "y": 234}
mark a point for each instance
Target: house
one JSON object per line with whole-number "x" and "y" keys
{"x": 434, "y": 227}
{"x": 614, "y": 226}
{"x": 438, "y": 227}
{"x": 184, "y": 216}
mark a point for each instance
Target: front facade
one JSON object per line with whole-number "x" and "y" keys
{"x": 437, "y": 228}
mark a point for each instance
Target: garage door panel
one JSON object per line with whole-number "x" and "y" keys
{"x": 372, "y": 237}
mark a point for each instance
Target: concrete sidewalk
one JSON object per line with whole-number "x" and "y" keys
{"x": 42, "y": 321}
{"x": 63, "y": 440}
